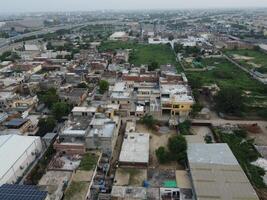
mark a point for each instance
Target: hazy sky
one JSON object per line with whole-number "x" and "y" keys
{"x": 73, "y": 5}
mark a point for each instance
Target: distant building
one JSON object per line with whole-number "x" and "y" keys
{"x": 119, "y": 36}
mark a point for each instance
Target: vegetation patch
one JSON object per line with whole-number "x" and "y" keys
{"x": 227, "y": 75}
{"x": 245, "y": 153}
{"x": 177, "y": 147}
{"x": 74, "y": 189}
{"x": 143, "y": 53}
{"x": 88, "y": 162}
{"x": 250, "y": 58}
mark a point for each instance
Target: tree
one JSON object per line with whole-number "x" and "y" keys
{"x": 178, "y": 47}
{"x": 48, "y": 97}
{"x": 149, "y": 121}
{"x": 46, "y": 125}
{"x": 103, "y": 86}
{"x": 162, "y": 155}
{"x": 229, "y": 100}
{"x": 153, "y": 65}
{"x": 60, "y": 109}
{"x": 49, "y": 46}
{"x": 177, "y": 146}
{"x": 196, "y": 108}
{"x": 184, "y": 127}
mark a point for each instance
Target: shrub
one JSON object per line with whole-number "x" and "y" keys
{"x": 162, "y": 155}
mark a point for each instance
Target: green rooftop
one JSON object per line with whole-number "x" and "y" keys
{"x": 169, "y": 184}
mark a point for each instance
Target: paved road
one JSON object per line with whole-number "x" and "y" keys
{"x": 8, "y": 41}
{"x": 262, "y": 80}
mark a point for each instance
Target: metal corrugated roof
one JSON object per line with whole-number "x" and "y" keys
{"x": 11, "y": 148}
{"x": 216, "y": 173}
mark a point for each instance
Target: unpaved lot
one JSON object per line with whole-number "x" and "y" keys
{"x": 157, "y": 140}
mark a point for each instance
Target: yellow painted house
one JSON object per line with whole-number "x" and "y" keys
{"x": 176, "y": 99}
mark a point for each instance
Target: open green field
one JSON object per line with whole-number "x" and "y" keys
{"x": 226, "y": 74}
{"x": 252, "y": 59}
{"x": 143, "y": 53}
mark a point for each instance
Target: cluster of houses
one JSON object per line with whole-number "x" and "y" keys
{"x": 105, "y": 123}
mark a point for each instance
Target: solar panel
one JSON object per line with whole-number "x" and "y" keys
{"x": 21, "y": 192}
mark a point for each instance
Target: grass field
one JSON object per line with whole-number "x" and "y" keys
{"x": 143, "y": 53}
{"x": 258, "y": 59}
{"x": 226, "y": 74}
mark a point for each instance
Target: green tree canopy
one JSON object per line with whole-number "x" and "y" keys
{"x": 162, "y": 155}
{"x": 60, "y": 109}
{"x": 46, "y": 125}
{"x": 149, "y": 121}
{"x": 48, "y": 97}
{"x": 230, "y": 100}
{"x": 153, "y": 66}
{"x": 177, "y": 146}
{"x": 103, "y": 86}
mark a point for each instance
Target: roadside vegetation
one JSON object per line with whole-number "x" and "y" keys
{"x": 245, "y": 153}
{"x": 229, "y": 77}
{"x": 250, "y": 58}
{"x": 40, "y": 168}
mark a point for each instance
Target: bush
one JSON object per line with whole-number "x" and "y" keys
{"x": 148, "y": 121}
{"x": 241, "y": 133}
{"x": 162, "y": 155}
{"x": 177, "y": 146}
{"x": 184, "y": 127}
{"x": 152, "y": 66}
{"x": 103, "y": 86}
{"x": 208, "y": 139}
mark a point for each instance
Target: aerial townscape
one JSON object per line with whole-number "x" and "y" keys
{"x": 133, "y": 104}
